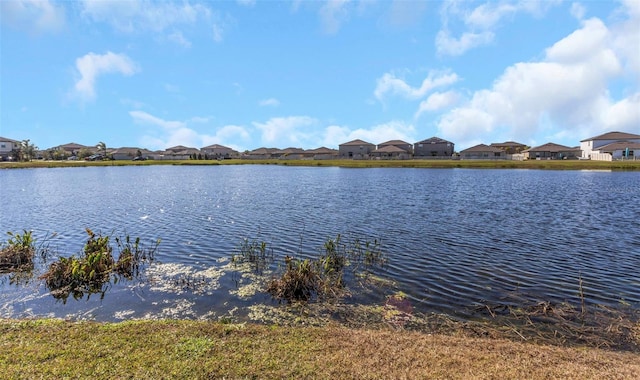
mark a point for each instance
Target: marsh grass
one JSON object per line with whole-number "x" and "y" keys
{"x": 256, "y": 253}
{"x": 91, "y": 272}
{"x": 323, "y": 277}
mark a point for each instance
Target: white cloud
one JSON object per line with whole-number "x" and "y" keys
{"x": 92, "y": 65}
{"x": 567, "y": 92}
{"x": 142, "y": 117}
{"x": 481, "y": 22}
{"x": 332, "y": 14}
{"x": 271, "y": 102}
{"x": 178, "y": 38}
{"x": 390, "y": 84}
{"x": 437, "y": 101}
{"x": 246, "y": 3}
{"x": 578, "y": 10}
{"x": 291, "y": 130}
{"x": 143, "y": 15}
{"x": 448, "y": 45}
{"x": 218, "y": 33}
{"x": 34, "y": 16}
{"x": 335, "y": 135}
{"x": 404, "y": 13}
{"x": 173, "y": 132}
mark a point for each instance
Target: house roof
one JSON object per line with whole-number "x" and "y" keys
{"x": 389, "y": 149}
{"x": 619, "y": 145}
{"x": 614, "y": 136}
{"x": 10, "y": 140}
{"x": 356, "y": 142}
{"x": 130, "y": 150}
{"x": 264, "y": 150}
{"x": 217, "y": 146}
{"x": 179, "y": 148}
{"x": 434, "y": 140}
{"x": 393, "y": 143}
{"x": 322, "y": 150}
{"x": 551, "y": 147}
{"x": 482, "y": 148}
{"x": 507, "y": 144}
{"x": 72, "y": 145}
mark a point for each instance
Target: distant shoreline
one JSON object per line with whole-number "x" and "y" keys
{"x": 446, "y": 164}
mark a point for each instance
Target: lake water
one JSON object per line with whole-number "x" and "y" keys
{"x": 454, "y": 238}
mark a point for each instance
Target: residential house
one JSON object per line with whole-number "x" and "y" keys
{"x": 592, "y": 148}
{"x": 551, "y": 151}
{"x": 482, "y": 152}
{"x": 356, "y": 149}
{"x": 289, "y": 153}
{"x": 619, "y": 150}
{"x": 72, "y": 149}
{"x": 321, "y": 153}
{"x": 179, "y": 152}
{"x": 260, "y": 153}
{"x": 433, "y": 147}
{"x": 127, "y": 153}
{"x": 390, "y": 152}
{"x": 8, "y": 147}
{"x": 510, "y": 147}
{"x": 216, "y": 151}
{"x": 407, "y": 147}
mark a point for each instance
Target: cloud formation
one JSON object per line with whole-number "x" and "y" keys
{"x": 292, "y": 130}
{"x": 92, "y": 65}
{"x": 271, "y": 102}
{"x": 33, "y": 16}
{"x": 390, "y": 84}
{"x": 569, "y": 89}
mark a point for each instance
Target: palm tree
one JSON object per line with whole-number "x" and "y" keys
{"x": 27, "y": 150}
{"x": 102, "y": 147}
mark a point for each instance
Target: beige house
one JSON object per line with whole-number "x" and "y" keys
{"x": 600, "y": 147}
{"x": 129, "y": 153}
{"x": 216, "y": 151}
{"x": 356, "y": 149}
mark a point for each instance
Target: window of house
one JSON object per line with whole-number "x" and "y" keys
{"x": 3, "y": 145}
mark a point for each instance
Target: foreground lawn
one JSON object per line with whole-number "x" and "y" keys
{"x": 186, "y": 349}
{"x": 486, "y": 164}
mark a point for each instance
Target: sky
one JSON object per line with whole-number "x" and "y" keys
{"x": 249, "y": 74}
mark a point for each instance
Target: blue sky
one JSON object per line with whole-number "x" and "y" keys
{"x": 248, "y": 74}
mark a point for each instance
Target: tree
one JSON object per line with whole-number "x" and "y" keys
{"x": 27, "y": 150}
{"x": 102, "y": 148}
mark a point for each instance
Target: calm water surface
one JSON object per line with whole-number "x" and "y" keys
{"x": 454, "y": 238}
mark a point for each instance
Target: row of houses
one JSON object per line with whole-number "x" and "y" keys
{"x": 605, "y": 147}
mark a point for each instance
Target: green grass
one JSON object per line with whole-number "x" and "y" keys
{"x": 209, "y": 350}
{"x": 480, "y": 164}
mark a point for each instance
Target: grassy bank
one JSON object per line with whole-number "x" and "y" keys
{"x": 486, "y": 164}
{"x": 187, "y": 349}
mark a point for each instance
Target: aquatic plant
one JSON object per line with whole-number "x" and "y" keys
{"x": 132, "y": 255}
{"x": 91, "y": 271}
{"x": 323, "y": 277}
{"x": 255, "y": 253}
{"x": 18, "y": 253}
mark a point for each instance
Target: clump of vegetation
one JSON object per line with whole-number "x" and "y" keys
{"x": 132, "y": 255}
{"x": 304, "y": 280}
{"x": 18, "y": 253}
{"x": 91, "y": 271}
{"x": 255, "y": 253}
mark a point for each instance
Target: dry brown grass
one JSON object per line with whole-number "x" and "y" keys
{"x": 186, "y": 349}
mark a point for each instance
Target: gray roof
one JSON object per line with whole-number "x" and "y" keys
{"x": 389, "y": 149}
{"x": 551, "y": 147}
{"x": 394, "y": 143}
{"x": 482, "y": 148}
{"x": 614, "y": 136}
{"x": 507, "y": 144}
{"x": 619, "y": 145}
{"x": 434, "y": 140}
{"x": 356, "y": 142}
{"x": 11, "y": 140}
{"x": 322, "y": 150}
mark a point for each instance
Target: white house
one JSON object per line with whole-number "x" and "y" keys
{"x": 7, "y": 146}
{"x": 611, "y": 145}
